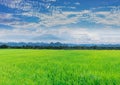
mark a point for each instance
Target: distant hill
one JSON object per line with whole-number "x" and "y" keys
{"x": 57, "y": 45}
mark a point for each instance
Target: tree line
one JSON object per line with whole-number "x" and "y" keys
{"x": 4, "y": 46}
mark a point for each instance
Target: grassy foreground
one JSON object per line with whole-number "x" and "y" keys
{"x": 59, "y": 67}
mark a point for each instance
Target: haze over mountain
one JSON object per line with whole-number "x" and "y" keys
{"x": 65, "y": 21}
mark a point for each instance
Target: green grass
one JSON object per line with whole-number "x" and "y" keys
{"x": 59, "y": 67}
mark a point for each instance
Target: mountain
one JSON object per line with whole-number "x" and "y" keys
{"x": 58, "y": 45}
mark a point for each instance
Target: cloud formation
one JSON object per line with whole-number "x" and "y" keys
{"x": 52, "y": 21}
{"x": 65, "y": 35}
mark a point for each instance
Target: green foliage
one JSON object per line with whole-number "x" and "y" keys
{"x": 59, "y": 67}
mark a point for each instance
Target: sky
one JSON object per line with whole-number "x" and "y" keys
{"x": 66, "y": 21}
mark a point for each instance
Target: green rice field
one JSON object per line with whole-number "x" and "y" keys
{"x": 59, "y": 67}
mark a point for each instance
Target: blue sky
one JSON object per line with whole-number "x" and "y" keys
{"x": 66, "y": 21}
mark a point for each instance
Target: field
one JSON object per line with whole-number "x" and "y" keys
{"x": 59, "y": 67}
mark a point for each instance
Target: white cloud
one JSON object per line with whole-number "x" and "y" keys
{"x": 77, "y": 3}
{"x": 28, "y": 31}
{"x": 99, "y": 17}
{"x": 56, "y": 16}
{"x": 5, "y": 16}
{"x": 106, "y": 18}
{"x": 65, "y": 35}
